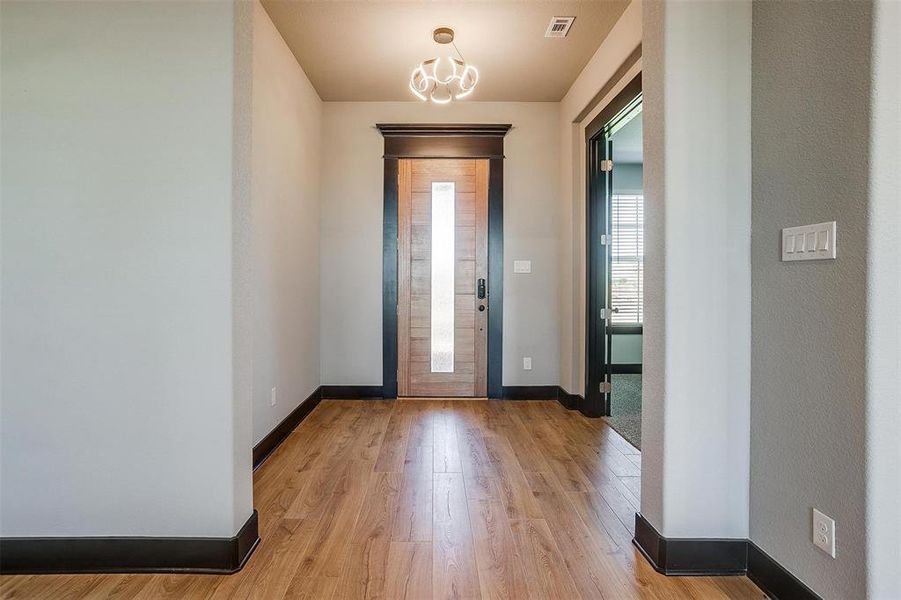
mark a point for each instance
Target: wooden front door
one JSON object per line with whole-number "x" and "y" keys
{"x": 442, "y": 323}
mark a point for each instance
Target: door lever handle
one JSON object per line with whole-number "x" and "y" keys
{"x": 481, "y": 289}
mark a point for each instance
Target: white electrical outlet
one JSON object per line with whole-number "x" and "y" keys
{"x": 273, "y": 397}
{"x": 824, "y": 533}
{"x": 526, "y": 363}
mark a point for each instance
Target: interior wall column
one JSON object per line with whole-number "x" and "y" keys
{"x": 697, "y": 150}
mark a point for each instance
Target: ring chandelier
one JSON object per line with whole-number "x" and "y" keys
{"x": 435, "y": 82}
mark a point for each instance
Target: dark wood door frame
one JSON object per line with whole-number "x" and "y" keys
{"x": 597, "y": 339}
{"x": 425, "y": 140}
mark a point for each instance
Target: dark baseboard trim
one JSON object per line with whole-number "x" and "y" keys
{"x": 268, "y": 444}
{"x": 542, "y": 392}
{"x": 625, "y": 368}
{"x": 690, "y": 556}
{"x": 529, "y": 392}
{"x": 570, "y": 401}
{"x": 774, "y": 579}
{"x": 35, "y": 556}
{"x": 352, "y": 392}
{"x": 718, "y": 557}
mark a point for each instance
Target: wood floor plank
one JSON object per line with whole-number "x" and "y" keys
{"x": 560, "y": 463}
{"x": 325, "y": 553}
{"x": 593, "y": 509}
{"x": 9, "y": 584}
{"x": 481, "y": 488}
{"x": 394, "y": 445}
{"x": 512, "y": 485}
{"x": 635, "y": 459}
{"x": 617, "y": 495}
{"x": 419, "y": 455}
{"x": 365, "y": 568}
{"x": 616, "y": 440}
{"x": 719, "y": 588}
{"x": 738, "y": 588}
{"x": 311, "y": 588}
{"x": 288, "y": 503}
{"x": 413, "y": 515}
{"x": 175, "y": 586}
{"x": 501, "y": 573}
{"x": 474, "y": 457}
{"x": 633, "y": 484}
{"x": 618, "y": 464}
{"x": 454, "y": 572}
{"x": 43, "y": 586}
{"x": 541, "y": 561}
{"x": 520, "y": 439}
{"x": 447, "y": 448}
{"x": 496, "y": 419}
{"x": 377, "y": 421}
{"x": 112, "y": 587}
{"x": 409, "y": 574}
{"x": 314, "y": 496}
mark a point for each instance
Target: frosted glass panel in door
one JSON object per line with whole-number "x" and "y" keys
{"x": 442, "y": 292}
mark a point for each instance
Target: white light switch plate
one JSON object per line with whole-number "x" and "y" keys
{"x": 522, "y": 266}
{"x": 809, "y": 242}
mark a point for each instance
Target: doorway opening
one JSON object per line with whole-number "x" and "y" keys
{"x": 454, "y": 172}
{"x": 615, "y": 263}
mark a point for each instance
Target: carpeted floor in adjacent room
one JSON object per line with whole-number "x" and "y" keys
{"x": 625, "y": 407}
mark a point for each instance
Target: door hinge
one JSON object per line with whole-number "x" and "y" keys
{"x": 607, "y": 312}
{"x": 605, "y": 387}
{"x": 606, "y": 165}
{"x": 603, "y": 239}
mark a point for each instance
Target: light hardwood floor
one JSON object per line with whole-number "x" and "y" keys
{"x": 432, "y": 499}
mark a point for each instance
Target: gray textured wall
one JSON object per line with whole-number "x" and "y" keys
{"x": 653, "y": 354}
{"x": 810, "y": 161}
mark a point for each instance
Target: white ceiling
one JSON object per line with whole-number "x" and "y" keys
{"x": 358, "y": 51}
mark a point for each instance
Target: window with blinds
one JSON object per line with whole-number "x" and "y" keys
{"x": 627, "y": 258}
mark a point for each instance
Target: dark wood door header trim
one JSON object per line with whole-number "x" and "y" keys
{"x": 444, "y": 129}
{"x": 443, "y": 140}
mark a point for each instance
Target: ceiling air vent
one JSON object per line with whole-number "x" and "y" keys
{"x": 559, "y": 27}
